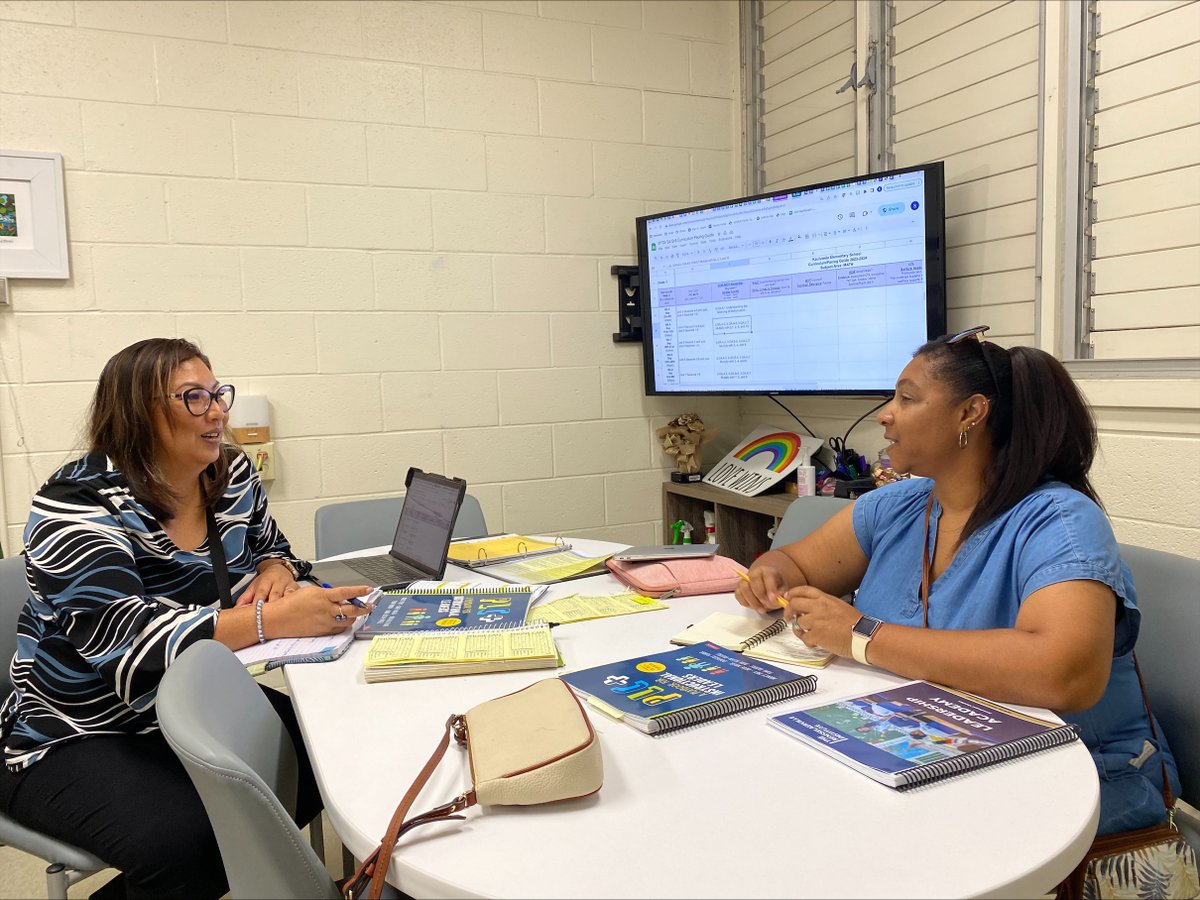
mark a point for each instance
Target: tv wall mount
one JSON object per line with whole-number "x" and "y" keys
{"x": 629, "y": 304}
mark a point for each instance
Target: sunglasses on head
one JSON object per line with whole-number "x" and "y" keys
{"x": 977, "y": 334}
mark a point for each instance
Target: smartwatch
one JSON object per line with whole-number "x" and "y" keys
{"x": 860, "y": 635}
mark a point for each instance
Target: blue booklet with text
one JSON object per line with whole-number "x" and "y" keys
{"x": 684, "y": 686}
{"x": 920, "y": 732}
{"x": 446, "y": 609}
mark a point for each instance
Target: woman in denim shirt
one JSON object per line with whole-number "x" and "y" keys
{"x": 997, "y": 572}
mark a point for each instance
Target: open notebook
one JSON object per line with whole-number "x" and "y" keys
{"x": 760, "y": 637}
{"x": 259, "y": 658}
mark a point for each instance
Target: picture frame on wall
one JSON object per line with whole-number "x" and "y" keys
{"x": 33, "y": 215}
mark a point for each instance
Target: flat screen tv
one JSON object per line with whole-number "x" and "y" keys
{"x": 822, "y": 289}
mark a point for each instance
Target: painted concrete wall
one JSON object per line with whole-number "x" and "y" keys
{"x": 394, "y": 219}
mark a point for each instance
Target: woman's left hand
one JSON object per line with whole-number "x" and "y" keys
{"x": 272, "y": 583}
{"x": 820, "y": 619}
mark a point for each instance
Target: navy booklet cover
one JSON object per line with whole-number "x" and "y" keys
{"x": 660, "y": 692}
{"x": 920, "y": 732}
{"x": 454, "y": 608}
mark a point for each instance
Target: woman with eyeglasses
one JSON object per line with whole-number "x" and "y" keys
{"x": 997, "y": 572}
{"x": 158, "y": 537}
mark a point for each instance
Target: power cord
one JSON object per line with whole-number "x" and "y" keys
{"x": 878, "y": 406}
{"x": 794, "y": 416}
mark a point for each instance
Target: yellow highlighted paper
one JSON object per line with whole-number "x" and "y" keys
{"x": 580, "y": 607}
{"x": 424, "y": 654}
{"x": 546, "y": 569}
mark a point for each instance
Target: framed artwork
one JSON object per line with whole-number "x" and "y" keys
{"x": 33, "y": 216}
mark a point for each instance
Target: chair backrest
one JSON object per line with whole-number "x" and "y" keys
{"x": 1168, "y": 589}
{"x": 359, "y": 524}
{"x": 804, "y": 515}
{"x": 241, "y": 759}
{"x": 14, "y": 591}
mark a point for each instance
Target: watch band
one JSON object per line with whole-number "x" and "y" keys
{"x": 287, "y": 564}
{"x": 860, "y": 635}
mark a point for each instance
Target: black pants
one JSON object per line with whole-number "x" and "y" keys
{"x": 129, "y": 801}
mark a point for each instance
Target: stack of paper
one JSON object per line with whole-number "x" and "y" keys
{"x": 558, "y": 566}
{"x": 579, "y": 607}
{"x": 423, "y": 654}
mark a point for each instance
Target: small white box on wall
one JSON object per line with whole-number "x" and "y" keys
{"x": 250, "y": 419}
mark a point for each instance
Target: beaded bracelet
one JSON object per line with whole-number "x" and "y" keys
{"x": 262, "y": 638}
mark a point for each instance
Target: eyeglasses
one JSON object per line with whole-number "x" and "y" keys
{"x": 977, "y": 334}
{"x": 198, "y": 399}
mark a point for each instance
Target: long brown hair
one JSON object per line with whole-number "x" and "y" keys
{"x": 1040, "y": 427}
{"x": 133, "y": 384}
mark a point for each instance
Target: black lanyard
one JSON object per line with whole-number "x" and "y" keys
{"x": 217, "y": 552}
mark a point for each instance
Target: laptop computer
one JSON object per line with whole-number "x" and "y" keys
{"x": 419, "y": 547}
{"x": 667, "y": 551}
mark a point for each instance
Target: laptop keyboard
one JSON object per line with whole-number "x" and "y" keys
{"x": 383, "y": 569}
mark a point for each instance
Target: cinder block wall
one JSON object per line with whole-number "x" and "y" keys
{"x": 395, "y": 219}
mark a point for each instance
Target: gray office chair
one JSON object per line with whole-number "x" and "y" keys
{"x": 67, "y": 864}
{"x": 242, "y": 761}
{"x": 1168, "y": 589}
{"x": 804, "y": 515}
{"x": 359, "y": 524}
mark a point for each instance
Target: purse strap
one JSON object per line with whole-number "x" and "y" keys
{"x": 374, "y": 868}
{"x": 216, "y": 550}
{"x": 1168, "y": 797}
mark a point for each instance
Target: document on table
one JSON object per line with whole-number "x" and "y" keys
{"x": 547, "y": 569}
{"x": 579, "y": 607}
{"x": 258, "y": 658}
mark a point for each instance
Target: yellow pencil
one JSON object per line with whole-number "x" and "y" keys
{"x": 746, "y": 578}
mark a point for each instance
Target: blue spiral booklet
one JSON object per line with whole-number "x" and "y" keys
{"x": 453, "y": 608}
{"x": 660, "y": 692}
{"x": 920, "y": 732}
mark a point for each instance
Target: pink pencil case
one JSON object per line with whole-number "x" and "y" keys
{"x": 679, "y": 577}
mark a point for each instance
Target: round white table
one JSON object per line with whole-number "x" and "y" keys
{"x": 731, "y": 808}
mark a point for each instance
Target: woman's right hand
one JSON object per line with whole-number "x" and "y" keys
{"x": 312, "y": 610}
{"x": 761, "y": 591}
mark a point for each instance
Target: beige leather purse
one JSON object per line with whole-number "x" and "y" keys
{"x": 533, "y": 746}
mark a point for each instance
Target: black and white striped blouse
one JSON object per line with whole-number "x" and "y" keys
{"x": 113, "y": 601}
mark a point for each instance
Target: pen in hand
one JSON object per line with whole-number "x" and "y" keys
{"x": 366, "y": 600}
{"x": 746, "y": 578}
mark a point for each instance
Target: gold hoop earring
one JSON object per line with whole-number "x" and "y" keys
{"x": 962, "y": 436}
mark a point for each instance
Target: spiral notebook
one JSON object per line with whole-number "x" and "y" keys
{"x": 763, "y": 638}
{"x": 428, "y": 654}
{"x": 259, "y": 658}
{"x": 452, "y": 608}
{"x": 660, "y": 692}
{"x": 921, "y": 732}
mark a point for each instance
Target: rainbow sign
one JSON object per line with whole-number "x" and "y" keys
{"x": 783, "y": 446}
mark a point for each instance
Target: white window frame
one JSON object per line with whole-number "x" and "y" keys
{"x": 1068, "y": 106}
{"x": 1059, "y": 324}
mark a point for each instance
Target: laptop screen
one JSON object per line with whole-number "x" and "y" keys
{"x": 427, "y": 521}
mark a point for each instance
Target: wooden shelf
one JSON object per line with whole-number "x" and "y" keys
{"x": 742, "y": 522}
